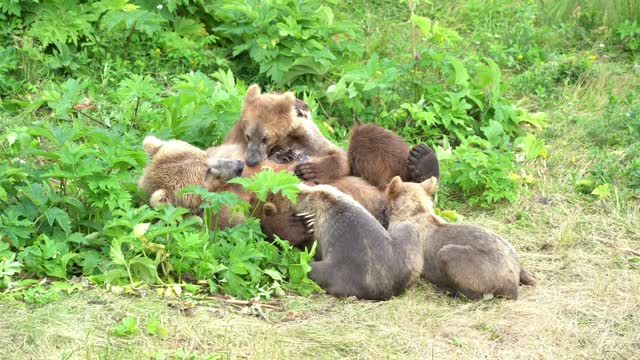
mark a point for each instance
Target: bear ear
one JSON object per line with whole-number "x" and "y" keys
{"x": 269, "y": 209}
{"x": 285, "y": 104}
{"x": 302, "y": 109}
{"x": 152, "y": 144}
{"x": 252, "y": 93}
{"x": 395, "y": 186}
{"x": 158, "y": 198}
{"x": 430, "y": 185}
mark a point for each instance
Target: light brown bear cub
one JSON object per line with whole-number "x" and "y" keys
{"x": 176, "y": 164}
{"x": 272, "y": 121}
{"x": 464, "y": 258}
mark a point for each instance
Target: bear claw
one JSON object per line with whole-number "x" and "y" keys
{"x": 284, "y": 156}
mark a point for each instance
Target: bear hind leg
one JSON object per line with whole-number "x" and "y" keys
{"x": 473, "y": 273}
{"x": 423, "y": 163}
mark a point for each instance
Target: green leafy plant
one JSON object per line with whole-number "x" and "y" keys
{"x": 127, "y": 327}
{"x": 479, "y": 172}
{"x": 284, "y": 40}
{"x": 154, "y": 327}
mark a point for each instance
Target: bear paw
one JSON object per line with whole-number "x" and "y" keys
{"x": 423, "y": 163}
{"x": 307, "y": 172}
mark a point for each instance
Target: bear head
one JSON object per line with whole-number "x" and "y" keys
{"x": 407, "y": 199}
{"x": 176, "y": 164}
{"x": 267, "y": 120}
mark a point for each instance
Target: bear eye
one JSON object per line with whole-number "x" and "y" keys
{"x": 248, "y": 137}
{"x": 264, "y": 140}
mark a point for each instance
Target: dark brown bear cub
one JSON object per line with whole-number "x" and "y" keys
{"x": 467, "y": 259}
{"x": 356, "y": 256}
{"x": 377, "y": 155}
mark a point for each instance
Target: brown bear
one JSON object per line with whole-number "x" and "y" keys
{"x": 272, "y": 121}
{"x": 176, "y": 164}
{"x": 280, "y": 121}
{"x": 276, "y": 214}
{"x": 377, "y": 155}
{"x": 465, "y": 259}
{"x": 278, "y": 218}
{"x": 356, "y": 256}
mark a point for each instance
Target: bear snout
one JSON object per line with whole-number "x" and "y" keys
{"x": 253, "y": 160}
{"x": 239, "y": 167}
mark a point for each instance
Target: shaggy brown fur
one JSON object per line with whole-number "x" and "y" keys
{"x": 176, "y": 164}
{"x": 464, "y": 258}
{"x": 276, "y": 119}
{"x": 279, "y": 120}
{"x": 377, "y": 155}
{"x": 370, "y": 197}
{"x": 356, "y": 256}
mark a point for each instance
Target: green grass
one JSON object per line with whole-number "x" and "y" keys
{"x": 580, "y": 247}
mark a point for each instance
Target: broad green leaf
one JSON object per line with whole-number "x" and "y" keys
{"x": 55, "y": 214}
{"x": 116, "y": 252}
{"x": 461, "y": 74}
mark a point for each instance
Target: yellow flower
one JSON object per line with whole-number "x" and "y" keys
{"x": 520, "y": 57}
{"x": 326, "y": 124}
{"x": 593, "y": 57}
{"x": 541, "y": 62}
{"x": 513, "y": 176}
{"x": 441, "y": 38}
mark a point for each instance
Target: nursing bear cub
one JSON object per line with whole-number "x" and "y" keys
{"x": 356, "y": 256}
{"x": 176, "y": 164}
{"x": 465, "y": 259}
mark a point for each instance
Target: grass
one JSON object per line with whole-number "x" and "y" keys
{"x": 586, "y": 303}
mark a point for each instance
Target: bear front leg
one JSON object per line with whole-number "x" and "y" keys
{"x": 324, "y": 170}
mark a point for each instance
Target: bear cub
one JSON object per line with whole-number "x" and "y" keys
{"x": 356, "y": 256}
{"x": 176, "y": 164}
{"x": 378, "y": 155}
{"x": 464, "y": 259}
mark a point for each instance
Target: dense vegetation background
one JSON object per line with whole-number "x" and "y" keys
{"x": 489, "y": 84}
